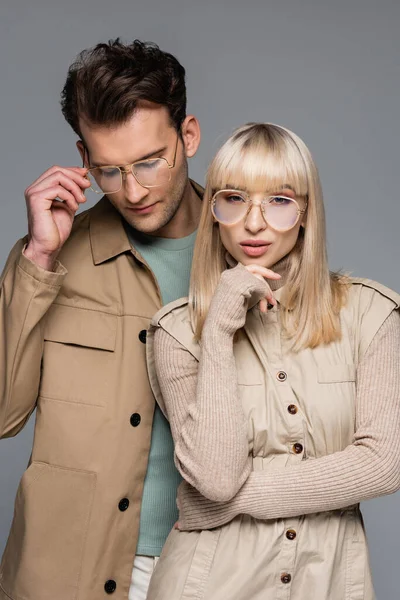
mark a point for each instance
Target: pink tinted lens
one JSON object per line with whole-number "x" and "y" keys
{"x": 281, "y": 213}
{"x": 229, "y": 207}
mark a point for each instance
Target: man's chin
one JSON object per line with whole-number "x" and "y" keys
{"x": 149, "y": 224}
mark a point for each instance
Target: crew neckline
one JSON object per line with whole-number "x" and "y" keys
{"x": 168, "y": 244}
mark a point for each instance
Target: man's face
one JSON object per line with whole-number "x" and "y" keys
{"x": 147, "y": 134}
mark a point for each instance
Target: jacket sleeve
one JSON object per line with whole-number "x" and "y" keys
{"x": 368, "y": 468}
{"x": 26, "y": 293}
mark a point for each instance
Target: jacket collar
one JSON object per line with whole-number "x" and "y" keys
{"x": 108, "y": 237}
{"x": 107, "y": 234}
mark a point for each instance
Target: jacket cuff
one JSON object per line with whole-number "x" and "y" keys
{"x": 52, "y": 278}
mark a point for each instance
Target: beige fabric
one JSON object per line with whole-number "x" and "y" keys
{"x": 346, "y": 418}
{"x": 70, "y": 348}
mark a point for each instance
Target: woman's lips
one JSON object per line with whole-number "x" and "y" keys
{"x": 255, "y": 247}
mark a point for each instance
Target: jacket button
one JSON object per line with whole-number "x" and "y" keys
{"x": 281, "y": 376}
{"x": 292, "y": 409}
{"x": 123, "y": 504}
{"x": 110, "y": 586}
{"x": 297, "y": 448}
{"x": 291, "y": 534}
{"x": 286, "y": 578}
{"x": 135, "y": 419}
{"x": 143, "y": 336}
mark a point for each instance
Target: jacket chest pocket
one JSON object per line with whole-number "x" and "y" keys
{"x": 340, "y": 373}
{"x": 78, "y": 358}
{"x": 331, "y": 405}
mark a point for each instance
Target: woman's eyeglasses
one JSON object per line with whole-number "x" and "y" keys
{"x": 279, "y": 212}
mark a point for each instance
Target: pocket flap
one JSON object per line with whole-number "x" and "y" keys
{"x": 70, "y": 325}
{"x": 336, "y": 373}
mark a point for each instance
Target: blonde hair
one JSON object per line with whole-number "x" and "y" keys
{"x": 267, "y": 156}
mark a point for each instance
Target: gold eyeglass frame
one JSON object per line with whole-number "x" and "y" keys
{"x": 126, "y": 169}
{"x": 250, "y": 202}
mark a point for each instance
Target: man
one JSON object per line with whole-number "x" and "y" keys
{"x": 77, "y": 295}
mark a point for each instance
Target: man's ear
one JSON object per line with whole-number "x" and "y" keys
{"x": 191, "y": 135}
{"x": 82, "y": 151}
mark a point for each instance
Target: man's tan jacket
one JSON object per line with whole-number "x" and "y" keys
{"x": 73, "y": 347}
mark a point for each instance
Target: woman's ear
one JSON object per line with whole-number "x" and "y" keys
{"x": 304, "y": 219}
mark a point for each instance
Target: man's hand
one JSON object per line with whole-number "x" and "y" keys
{"x": 52, "y": 201}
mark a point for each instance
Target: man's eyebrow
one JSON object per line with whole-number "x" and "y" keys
{"x": 145, "y": 157}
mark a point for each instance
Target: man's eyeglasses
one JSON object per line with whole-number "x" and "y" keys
{"x": 149, "y": 173}
{"x": 279, "y": 212}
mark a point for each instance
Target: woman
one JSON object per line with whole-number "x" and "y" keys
{"x": 281, "y": 382}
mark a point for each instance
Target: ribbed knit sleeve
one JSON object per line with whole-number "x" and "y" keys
{"x": 202, "y": 400}
{"x": 368, "y": 468}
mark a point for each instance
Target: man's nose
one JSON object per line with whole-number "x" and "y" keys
{"x": 134, "y": 192}
{"x": 255, "y": 221}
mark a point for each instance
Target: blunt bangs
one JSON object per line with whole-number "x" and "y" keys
{"x": 259, "y": 158}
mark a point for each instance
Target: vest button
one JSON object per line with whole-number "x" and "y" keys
{"x": 286, "y": 578}
{"x": 281, "y": 376}
{"x": 123, "y": 504}
{"x": 110, "y": 586}
{"x": 142, "y": 336}
{"x": 297, "y": 448}
{"x": 291, "y": 534}
{"x": 292, "y": 409}
{"x": 135, "y": 419}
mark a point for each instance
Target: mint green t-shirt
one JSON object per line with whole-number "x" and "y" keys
{"x": 170, "y": 260}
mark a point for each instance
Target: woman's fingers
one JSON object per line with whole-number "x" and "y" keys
{"x": 264, "y": 274}
{"x": 263, "y": 271}
{"x": 263, "y": 305}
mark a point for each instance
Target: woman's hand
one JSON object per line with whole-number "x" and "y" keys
{"x": 239, "y": 289}
{"x": 263, "y": 274}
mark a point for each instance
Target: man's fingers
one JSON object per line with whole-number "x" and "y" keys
{"x": 41, "y": 190}
{"x": 77, "y": 174}
{"x": 58, "y": 191}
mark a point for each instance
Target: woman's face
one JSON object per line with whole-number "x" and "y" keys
{"x": 253, "y": 241}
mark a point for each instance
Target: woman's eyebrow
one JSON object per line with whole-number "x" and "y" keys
{"x": 229, "y": 186}
{"x": 286, "y": 186}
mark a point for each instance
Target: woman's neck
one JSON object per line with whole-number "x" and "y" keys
{"x": 281, "y": 267}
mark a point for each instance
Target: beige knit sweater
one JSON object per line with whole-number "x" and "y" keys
{"x": 209, "y": 428}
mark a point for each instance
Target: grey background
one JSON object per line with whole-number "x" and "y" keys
{"x": 328, "y": 70}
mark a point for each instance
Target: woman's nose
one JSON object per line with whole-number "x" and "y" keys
{"x": 255, "y": 219}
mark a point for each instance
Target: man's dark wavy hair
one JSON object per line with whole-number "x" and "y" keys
{"x": 105, "y": 83}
